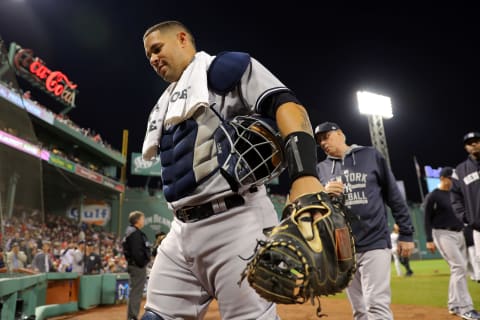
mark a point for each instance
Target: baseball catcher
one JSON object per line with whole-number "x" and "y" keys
{"x": 309, "y": 254}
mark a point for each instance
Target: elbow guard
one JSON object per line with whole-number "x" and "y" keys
{"x": 301, "y": 155}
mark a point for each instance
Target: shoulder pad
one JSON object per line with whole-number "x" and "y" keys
{"x": 226, "y": 70}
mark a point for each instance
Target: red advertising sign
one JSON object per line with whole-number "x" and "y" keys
{"x": 56, "y": 83}
{"x": 89, "y": 174}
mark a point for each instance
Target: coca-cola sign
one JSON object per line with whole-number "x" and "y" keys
{"x": 34, "y": 69}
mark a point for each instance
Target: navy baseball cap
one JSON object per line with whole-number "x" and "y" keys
{"x": 470, "y": 136}
{"x": 446, "y": 172}
{"x": 326, "y": 126}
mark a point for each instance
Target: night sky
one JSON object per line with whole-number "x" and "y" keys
{"x": 426, "y": 59}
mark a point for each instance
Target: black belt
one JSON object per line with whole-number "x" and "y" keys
{"x": 203, "y": 211}
{"x": 457, "y": 229}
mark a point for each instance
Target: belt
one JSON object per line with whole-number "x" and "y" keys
{"x": 457, "y": 229}
{"x": 203, "y": 211}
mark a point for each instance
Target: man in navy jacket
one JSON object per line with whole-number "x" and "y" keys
{"x": 465, "y": 192}
{"x": 363, "y": 176}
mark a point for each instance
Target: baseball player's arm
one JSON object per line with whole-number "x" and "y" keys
{"x": 457, "y": 199}
{"x": 292, "y": 118}
{"x": 429, "y": 212}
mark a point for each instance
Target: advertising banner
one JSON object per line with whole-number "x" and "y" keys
{"x": 92, "y": 212}
{"x": 143, "y": 167}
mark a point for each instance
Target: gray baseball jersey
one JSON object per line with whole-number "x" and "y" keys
{"x": 201, "y": 261}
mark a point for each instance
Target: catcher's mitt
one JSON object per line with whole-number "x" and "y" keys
{"x": 309, "y": 254}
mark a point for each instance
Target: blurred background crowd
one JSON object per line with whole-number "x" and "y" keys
{"x": 66, "y": 244}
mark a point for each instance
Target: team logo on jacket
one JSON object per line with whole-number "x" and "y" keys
{"x": 355, "y": 186}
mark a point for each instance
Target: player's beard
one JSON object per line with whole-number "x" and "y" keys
{"x": 476, "y": 155}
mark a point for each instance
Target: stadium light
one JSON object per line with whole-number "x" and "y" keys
{"x": 374, "y": 104}
{"x": 376, "y": 107}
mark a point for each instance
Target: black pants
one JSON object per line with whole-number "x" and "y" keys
{"x": 405, "y": 261}
{"x": 138, "y": 276}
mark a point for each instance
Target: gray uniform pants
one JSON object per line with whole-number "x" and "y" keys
{"x": 369, "y": 293}
{"x": 451, "y": 245}
{"x": 200, "y": 261}
{"x": 138, "y": 276}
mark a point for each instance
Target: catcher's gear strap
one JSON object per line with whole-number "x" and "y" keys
{"x": 301, "y": 154}
{"x": 226, "y": 71}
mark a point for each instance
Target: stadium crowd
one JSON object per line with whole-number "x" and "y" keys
{"x": 70, "y": 246}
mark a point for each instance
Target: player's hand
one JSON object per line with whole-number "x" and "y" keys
{"x": 335, "y": 187}
{"x": 431, "y": 247}
{"x": 405, "y": 248}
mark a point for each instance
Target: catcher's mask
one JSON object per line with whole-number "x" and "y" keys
{"x": 256, "y": 153}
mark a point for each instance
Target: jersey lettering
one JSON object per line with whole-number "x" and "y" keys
{"x": 472, "y": 177}
{"x": 178, "y": 95}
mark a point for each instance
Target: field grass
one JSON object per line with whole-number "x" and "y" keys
{"x": 428, "y": 286}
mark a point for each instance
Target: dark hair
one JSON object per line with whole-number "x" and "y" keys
{"x": 168, "y": 26}
{"x": 134, "y": 216}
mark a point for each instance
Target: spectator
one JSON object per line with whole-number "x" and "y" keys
{"x": 16, "y": 259}
{"x": 42, "y": 262}
{"x": 93, "y": 263}
{"x": 3, "y": 267}
{"x": 78, "y": 261}
{"x": 62, "y": 231}
{"x": 12, "y": 240}
{"x": 67, "y": 259}
{"x": 57, "y": 249}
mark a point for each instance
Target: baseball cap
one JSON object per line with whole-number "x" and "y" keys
{"x": 81, "y": 242}
{"x": 89, "y": 243}
{"x": 446, "y": 172}
{"x": 326, "y": 126}
{"x": 471, "y": 135}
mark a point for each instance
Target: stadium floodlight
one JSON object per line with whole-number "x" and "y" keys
{"x": 376, "y": 107}
{"x": 374, "y": 104}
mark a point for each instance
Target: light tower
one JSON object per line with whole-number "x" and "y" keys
{"x": 376, "y": 107}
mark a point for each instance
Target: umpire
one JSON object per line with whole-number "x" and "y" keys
{"x": 136, "y": 249}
